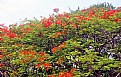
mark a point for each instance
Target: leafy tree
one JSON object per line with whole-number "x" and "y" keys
{"x": 86, "y": 43}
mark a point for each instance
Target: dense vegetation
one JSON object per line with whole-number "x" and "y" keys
{"x": 84, "y": 43}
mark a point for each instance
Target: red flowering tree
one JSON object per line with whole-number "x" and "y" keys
{"x": 84, "y": 43}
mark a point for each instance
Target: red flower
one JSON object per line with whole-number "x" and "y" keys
{"x": 72, "y": 70}
{"x": 116, "y": 19}
{"x": 59, "y": 33}
{"x": 58, "y": 22}
{"x": 56, "y": 10}
{"x": 10, "y": 55}
{"x": 46, "y": 23}
{"x": 11, "y": 35}
{"x": 65, "y": 74}
{"x": 91, "y": 14}
{"x": 47, "y": 66}
{"x": 42, "y": 53}
{"x": 0, "y": 56}
{"x": 60, "y": 60}
{"x": 51, "y": 75}
{"x": 68, "y": 74}
{"x": 62, "y": 45}
{"x": 24, "y": 52}
{"x": 38, "y": 65}
{"x": 40, "y": 59}
{"x": 1, "y": 65}
{"x": 1, "y": 39}
{"x": 86, "y": 19}
{"x": 55, "y": 35}
{"x": 54, "y": 49}
{"x": 31, "y": 56}
{"x": 24, "y": 61}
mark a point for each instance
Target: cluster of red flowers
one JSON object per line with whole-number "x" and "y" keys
{"x": 5, "y": 31}
{"x": 57, "y": 34}
{"x": 1, "y": 64}
{"x": 58, "y": 22}
{"x": 41, "y": 60}
{"x": 107, "y": 14}
{"x": 43, "y": 57}
{"x": 46, "y": 22}
{"x": 65, "y": 74}
{"x": 63, "y": 45}
{"x": 1, "y": 56}
{"x": 28, "y": 55}
{"x": 45, "y": 65}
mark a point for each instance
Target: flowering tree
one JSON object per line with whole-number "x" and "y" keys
{"x": 85, "y": 43}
